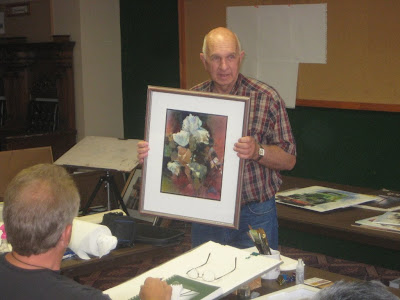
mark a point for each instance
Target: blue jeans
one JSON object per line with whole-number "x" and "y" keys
{"x": 257, "y": 215}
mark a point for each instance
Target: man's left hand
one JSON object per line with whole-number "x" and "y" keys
{"x": 246, "y": 147}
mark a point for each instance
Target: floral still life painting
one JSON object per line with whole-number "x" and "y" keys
{"x": 193, "y": 156}
{"x": 192, "y": 172}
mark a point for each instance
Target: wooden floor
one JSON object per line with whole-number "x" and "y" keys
{"x": 108, "y": 278}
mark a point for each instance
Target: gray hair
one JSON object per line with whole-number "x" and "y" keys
{"x": 205, "y": 41}
{"x": 38, "y": 204}
{"x": 363, "y": 290}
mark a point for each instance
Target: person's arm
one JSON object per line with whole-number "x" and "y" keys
{"x": 155, "y": 289}
{"x": 274, "y": 157}
{"x": 142, "y": 151}
{"x": 280, "y": 150}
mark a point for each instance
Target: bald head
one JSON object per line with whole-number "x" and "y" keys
{"x": 222, "y": 58}
{"x": 218, "y": 35}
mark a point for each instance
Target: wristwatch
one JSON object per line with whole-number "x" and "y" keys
{"x": 261, "y": 152}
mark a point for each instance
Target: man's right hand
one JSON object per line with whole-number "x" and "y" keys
{"x": 155, "y": 289}
{"x": 142, "y": 151}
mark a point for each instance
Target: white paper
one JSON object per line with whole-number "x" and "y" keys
{"x": 282, "y": 76}
{"x": 276, "y": 38}
{"x": 89, "y": 238}
{"x": 309, "y": 32}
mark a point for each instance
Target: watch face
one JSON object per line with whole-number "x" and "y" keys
{"x": 261, "y": 151}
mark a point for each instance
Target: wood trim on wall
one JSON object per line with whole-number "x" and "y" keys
{"x": 349, "y": 105}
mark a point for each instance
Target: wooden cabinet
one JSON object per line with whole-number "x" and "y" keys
{"x": 37, "y": 73}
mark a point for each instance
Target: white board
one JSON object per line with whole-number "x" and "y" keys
{"x": 276, "y": 38}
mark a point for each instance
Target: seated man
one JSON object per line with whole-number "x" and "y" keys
{"x": 39, "y": 206}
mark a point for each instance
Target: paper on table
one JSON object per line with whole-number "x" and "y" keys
{"x": 89, "y": 238}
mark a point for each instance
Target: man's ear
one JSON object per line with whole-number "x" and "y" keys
{"x": 241, "y": 56}
{"x": 203, "y": 60}
{"x": 66, "y": 235}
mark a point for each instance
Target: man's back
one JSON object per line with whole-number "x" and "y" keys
{"x": 18, "y": 283}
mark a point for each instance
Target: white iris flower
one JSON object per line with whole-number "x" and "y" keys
{"x": 192, "y": 124}
{"x": 181, "y": 138}
{"x": 174, "y": 167}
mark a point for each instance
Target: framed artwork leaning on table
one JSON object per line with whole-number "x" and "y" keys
{"x": 191, "y": 172}
{"x": 131, "y": 196}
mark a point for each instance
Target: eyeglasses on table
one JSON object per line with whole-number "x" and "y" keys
{"x": 207, "y": 275}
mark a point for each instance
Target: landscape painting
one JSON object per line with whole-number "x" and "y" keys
{"x": 193, "y": 156}
{"x": 321, "y": 199}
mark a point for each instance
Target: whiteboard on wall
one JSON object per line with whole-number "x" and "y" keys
{"x": 276, "y": 38}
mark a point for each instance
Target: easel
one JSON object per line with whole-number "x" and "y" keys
{"x": 108, "y": 179}
{"x": 104, "y": 153}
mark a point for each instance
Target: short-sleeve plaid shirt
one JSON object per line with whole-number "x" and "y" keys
{"x": 269, "y": 125}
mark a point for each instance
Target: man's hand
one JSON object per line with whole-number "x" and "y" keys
{"x": 155, "y": 289}
{"x": 142, "y": 150}
{"x": 246, "y": 148}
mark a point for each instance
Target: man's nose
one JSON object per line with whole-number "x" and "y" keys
{"x": 223, "y": 65}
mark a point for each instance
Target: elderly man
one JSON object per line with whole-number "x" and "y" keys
{"x": 39, "y": 206}
{"x": 268, "y": 148}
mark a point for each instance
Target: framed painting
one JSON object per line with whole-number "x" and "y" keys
{"x": 192, "y": 172}
{"x": 131, "y": 196}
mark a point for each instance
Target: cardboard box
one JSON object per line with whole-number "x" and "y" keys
{"x": 13, "y": 161}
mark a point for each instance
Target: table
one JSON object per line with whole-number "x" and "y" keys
{"x": 337, "y": 223}
{"x": 74, "y": 267}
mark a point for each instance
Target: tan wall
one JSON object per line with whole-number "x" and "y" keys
{"x": 363, "y": 61}
{"x": 94, "y": 27}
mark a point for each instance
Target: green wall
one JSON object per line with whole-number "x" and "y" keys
{"x": 351, "y": 147}
{"x": 339, "y": 248}
{"x": 150, "y": 56}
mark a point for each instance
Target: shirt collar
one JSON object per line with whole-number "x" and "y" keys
{"x": 235, "y": 88}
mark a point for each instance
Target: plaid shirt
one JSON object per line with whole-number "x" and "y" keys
{"x": 269, "y": 125}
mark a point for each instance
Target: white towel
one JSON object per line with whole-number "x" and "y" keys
{"x": 89, "y": 238}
